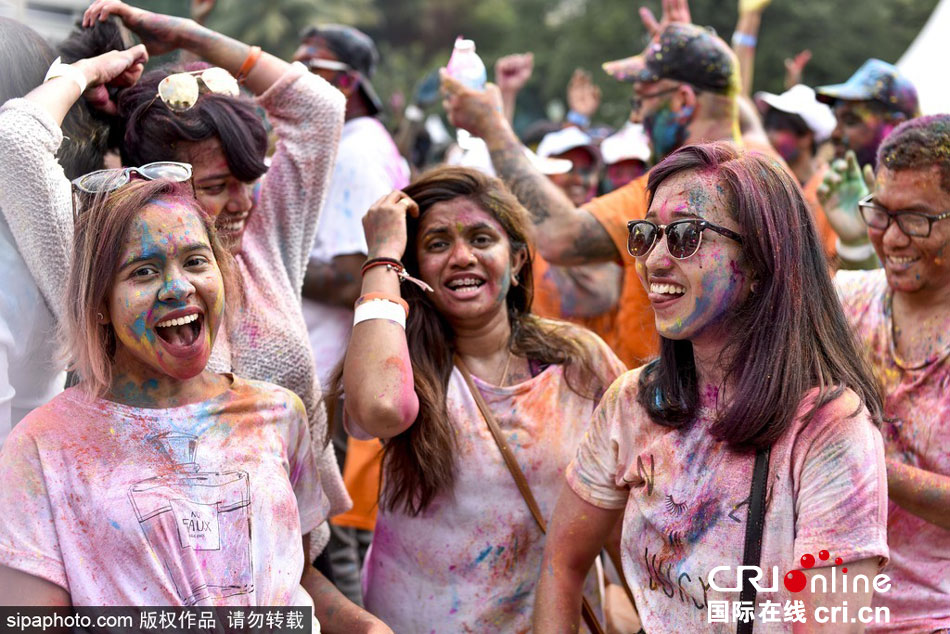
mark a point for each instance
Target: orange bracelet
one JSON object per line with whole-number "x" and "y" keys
{"x": 253, "y": 55}
{"x": 383, "y": 296}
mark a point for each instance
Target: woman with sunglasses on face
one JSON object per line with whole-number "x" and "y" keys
{"x": 156, "y": 481}
{"x": 759, "y": 400}
{"x": 197, "y": 118}
{"x": 456, "y": 548}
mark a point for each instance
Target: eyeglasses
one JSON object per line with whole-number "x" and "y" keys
{"x": 683, "y": 237}
{"x": 913, "y": 223}
{"x": 180, "y": 91}
{"x": 637, "y": 100}
{"x": 102, "y": 181}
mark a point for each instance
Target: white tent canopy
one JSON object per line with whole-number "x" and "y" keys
{"x": 925, "y": 61}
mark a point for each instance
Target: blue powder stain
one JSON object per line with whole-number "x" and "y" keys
{"x": 140, "y": 330}
{"x": 456, "y": 602}
{"x": 114, "y": 524}
{"x": 520, "y": 594}
{"x": 482, "y": 555}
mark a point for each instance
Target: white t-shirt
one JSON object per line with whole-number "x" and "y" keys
{"x": 368, "y": 166}
{"x": 685, "y": 497}
{"x": 203, "y": 504}
{"x": 471, "y": 561}
{"x": 29, "y": 374}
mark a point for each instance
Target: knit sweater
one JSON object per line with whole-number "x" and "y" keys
{"x": 268, "y": 340}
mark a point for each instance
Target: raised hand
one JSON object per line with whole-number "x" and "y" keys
{"x": 473, "y": 110}
{"x": 673, "y": 11}
{"x": 513, "y": 71}
{"x": 160, "y": 33}
{"x": 116, "y": 68}
{"x": 844, "y": 185}
{"x": 795, "y": 67}
{"x": 583, "y": 95}
{"x": 385, "y": 225}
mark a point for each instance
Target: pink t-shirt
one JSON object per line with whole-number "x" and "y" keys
{"x": 195, "y": 505}
{"x": 685, "y": 500}
{"x": 471, "y": 561}
{"x": 916, "y": 432}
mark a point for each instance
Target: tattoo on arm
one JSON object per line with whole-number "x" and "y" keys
{"x": 566, "y": 235}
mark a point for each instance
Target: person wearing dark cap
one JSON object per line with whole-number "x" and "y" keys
{"x": 685, "y": 88}
{"x": 368, "y": 166}
{"x": 875, "y": 100}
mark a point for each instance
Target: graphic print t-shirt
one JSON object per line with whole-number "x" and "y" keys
{"x": 202, "y": 504}
{"x": 685, "y": 499}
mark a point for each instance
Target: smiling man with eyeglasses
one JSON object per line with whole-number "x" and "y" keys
{"x": 901, "y": 315}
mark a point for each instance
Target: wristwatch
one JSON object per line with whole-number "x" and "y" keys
{"x": 59, "y": 69}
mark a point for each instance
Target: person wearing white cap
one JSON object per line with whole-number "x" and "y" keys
{"x": 626, "y": 155}
{"x": 796, "y": 124}
{"x": 576, "y": 168}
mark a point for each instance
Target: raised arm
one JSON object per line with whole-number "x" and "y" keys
{"x": 567, "y": 234}
{"x": 745, "y": 39}
{"x": 511, "y": 74}
{"x": 377, "y": 372}
{"x": 35, "y": 196}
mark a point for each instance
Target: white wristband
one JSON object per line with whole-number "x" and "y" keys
{"x": 854, "y": 254}
{"x": 59, "y": 69}
{"x": 380, "y": 309}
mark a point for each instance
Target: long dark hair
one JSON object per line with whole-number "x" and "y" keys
{"x": 787, "y": 337}
{"x": 420, "y": 462}
{"x": 153, "y": 132}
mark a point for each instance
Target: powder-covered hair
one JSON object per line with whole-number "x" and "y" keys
{"x": 920, "y": 143}
{"x": 787, "y": 337}
{"x": 153, "y": 132}
{"x": 98, "y": 239}
{"x": 419, "y": 463}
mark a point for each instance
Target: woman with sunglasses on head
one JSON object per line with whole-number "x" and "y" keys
{"x": 757, "y": 424}
{"x": 456, "y": 548}
{"x": 197, "y": 118}
{"x": 156, "y": 481}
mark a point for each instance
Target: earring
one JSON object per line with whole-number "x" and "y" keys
{"x": 100, "y": 317}
{"x": 514, "y": 280}
{"x": 754, "y": 287}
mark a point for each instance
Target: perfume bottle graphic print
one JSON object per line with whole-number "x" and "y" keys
{"x": 197, "y": 523}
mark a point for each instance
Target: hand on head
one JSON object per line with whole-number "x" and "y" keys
{"x": 115, "y": 68}
{"x": 673, "y": 11}
{"x": 844, "y": 185}
{"x": 583, "y": 95}
{"x": 385, "y": 225}
{"x": 473, "y": 110}
{"x": 157, "y": 31}
{"x": 513, "y": 71}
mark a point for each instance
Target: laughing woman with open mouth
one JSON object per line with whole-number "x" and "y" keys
{"x": 754, "y": 430}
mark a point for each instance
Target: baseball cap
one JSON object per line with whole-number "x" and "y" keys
{"x": 683, "y": 52}
{"x": 355, "y": 49}
{"x": 559, "y": 142}
{"x": 800, "y": 100}
{"x": 876, "y": 80}
{"x": 629, "y": 143}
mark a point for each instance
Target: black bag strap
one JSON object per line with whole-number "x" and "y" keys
{"x": 755, "y": 524}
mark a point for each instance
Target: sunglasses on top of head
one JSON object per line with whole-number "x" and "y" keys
{"x": 683, "y": 237}
{"x": 180, "y": 91}
{"x": 109, "y": 180}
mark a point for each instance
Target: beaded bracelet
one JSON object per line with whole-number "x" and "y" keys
{"x": 396, "y": 266}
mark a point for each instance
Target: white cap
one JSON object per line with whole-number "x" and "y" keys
{"x": 559, "y": 142}
{"x": 628, "y": 143}
{"x": 800, "y": 100}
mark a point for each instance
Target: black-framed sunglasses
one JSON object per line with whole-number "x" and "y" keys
{"x": 102, "y": 181}
{"x": 683, "y": 237}
{"x": 913, "y": 223}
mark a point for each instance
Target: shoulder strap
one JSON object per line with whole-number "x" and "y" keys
{"x": 589, "y": 617}
{"x": 755, "y": 524}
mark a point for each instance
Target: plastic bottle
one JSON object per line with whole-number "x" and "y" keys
{"x": 468, "y": 68}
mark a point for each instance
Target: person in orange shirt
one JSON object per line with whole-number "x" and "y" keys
{"x": 685, "y": 87}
